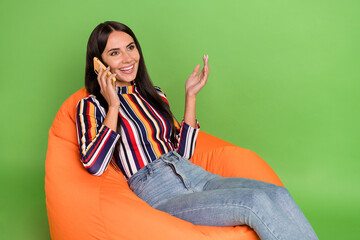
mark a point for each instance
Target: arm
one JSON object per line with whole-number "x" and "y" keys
{"x": 187, "y": 133}
{"x": 96, "y": 140}
{"x": 108, "y": 92}
{"x": 97, "y": 136}
{"x": 187, "y": 139}
{"x": 112, "y": 118}
{"x": 190, "y": 127}
{"x": 193, "y": 85}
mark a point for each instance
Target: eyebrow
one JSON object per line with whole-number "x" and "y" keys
{"x": 119, "y": 48}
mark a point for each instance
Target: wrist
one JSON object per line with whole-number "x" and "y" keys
{"x": 114, "y": 107}
{"x": 189, "y": 97}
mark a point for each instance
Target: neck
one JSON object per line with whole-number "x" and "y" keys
{"x": 123, "y": 84}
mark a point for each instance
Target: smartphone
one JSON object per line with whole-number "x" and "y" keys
{"x": 97, "y": 64}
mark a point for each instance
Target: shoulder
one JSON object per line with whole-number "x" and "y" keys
{"x": 89, "y": 103}
{"x": 91, "y": 99}
{"x": 160, "y": 91}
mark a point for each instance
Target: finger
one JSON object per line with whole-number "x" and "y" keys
{"x": 104, "y": 76}
{"x": 206, "y": 67}
{"x": 203, "y": 71}
{"x": 109, "y": 80}
{"x": 206, "y": 61}
{"x": 106, "y": 72}
{"x": 100, "y": 71}
{"x": 111, "y": 77}
{"x": 196, "y": 70}
{"x": 99, "y": 77}
{"x": 203, "y": 77}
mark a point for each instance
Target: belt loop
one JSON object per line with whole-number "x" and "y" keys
{"x": 178, "y": 155}
{"x": 150, "y": 170}
{"x": 171, "y": 156}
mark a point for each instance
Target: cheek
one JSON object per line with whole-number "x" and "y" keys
{"x": 116, "y": 62}
{"x": 137, "y": 56}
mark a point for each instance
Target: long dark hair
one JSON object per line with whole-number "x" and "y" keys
{"x": 95, "y": 47}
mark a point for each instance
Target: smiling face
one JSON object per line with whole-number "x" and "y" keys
{"x": 122, "y": 56}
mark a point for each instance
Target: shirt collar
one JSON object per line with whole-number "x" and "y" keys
{"x": 126, "y": 90}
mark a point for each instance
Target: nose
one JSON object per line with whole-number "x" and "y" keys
{"x": 126, "y": 57}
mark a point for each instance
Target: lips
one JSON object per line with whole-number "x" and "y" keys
{"x": 127, "y": 70}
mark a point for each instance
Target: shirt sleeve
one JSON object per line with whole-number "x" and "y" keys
{"x": 187, "y": 139}
{"x": 96, "y": 141}
{"x": 186, "y": 135}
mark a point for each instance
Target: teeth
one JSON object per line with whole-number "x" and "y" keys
{"x": 128, "y": 68}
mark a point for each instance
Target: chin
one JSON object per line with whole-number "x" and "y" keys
{"x": 124, "y": 81}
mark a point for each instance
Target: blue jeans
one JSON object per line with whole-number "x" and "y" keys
{"x": 175, "y": 185}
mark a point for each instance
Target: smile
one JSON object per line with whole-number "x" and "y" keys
{"x": 127, "y": 68}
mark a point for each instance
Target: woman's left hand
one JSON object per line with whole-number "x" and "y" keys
{"x": 195, "y": 82}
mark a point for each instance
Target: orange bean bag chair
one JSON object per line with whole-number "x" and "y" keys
{"x": 82, "y": 206}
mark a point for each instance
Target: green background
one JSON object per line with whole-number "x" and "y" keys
{"x": 284, "y": 82}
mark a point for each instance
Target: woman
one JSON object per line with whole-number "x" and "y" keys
{"x": 133, "y": 126}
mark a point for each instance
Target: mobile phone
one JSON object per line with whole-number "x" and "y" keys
{"x": 97, "y": 64}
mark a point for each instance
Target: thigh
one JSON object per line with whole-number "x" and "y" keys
{"x": 221, "y": 207}
{"x": 237, "y": 182}
{"x": 278, "y": 194}
{"x": 233, "y": 207}
{"x": 159, "y": 184}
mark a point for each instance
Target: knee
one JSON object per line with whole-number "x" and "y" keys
{"x": 259, "y": 199}
{"x": 261, "y": 204}
{"x": 276, "y": 195}
{"x": 279, "y": 194}
{"x": 267, "y": 197}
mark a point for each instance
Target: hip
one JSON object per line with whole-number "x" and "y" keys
{"x": 167, "y": 177}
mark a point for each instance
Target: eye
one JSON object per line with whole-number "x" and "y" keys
{"x": 131, "y": 47}
{"x": 112, "y": 53}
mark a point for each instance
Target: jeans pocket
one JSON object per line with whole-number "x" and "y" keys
{"x": 138, "y": 186}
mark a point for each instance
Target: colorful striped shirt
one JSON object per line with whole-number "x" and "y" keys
{"x": 144, "y": 134}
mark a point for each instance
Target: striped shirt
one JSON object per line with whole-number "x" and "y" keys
{"x": 144, "y": 134}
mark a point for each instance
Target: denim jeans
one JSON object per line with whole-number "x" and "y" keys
{"x": 175, "y": 185}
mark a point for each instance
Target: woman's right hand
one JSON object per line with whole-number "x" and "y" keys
{"x": 107, "y": 88}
